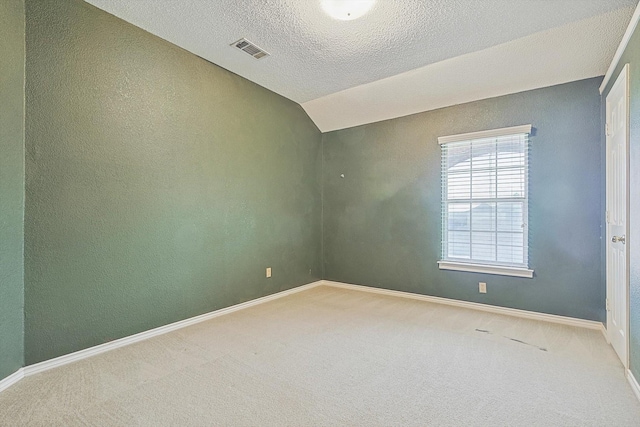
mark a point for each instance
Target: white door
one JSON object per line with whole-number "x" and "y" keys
{"x": 617, "y": 132}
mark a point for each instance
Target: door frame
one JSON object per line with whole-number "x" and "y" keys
{"x": 623, "y": 73}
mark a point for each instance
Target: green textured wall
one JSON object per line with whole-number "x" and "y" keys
{"x": 382, "y": 222}
{"x": 158, "y": 185}
{"x": 631, "y": 56}
{"x": 11, "y": 185}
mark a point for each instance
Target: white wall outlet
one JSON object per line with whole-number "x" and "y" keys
{"x": 268, "y": 271}
{"x": 482, "y": 288}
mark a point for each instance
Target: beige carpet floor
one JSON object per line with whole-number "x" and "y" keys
{"x": 328, "y": 357}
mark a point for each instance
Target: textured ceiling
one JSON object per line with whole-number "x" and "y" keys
{"x": 574, "y": 51}
{"x": 313, "y": 55}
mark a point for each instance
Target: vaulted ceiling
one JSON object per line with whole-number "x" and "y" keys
{"x": 402, "y": 57}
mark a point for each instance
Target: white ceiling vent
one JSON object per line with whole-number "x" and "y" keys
{"x": 250, "y": 48}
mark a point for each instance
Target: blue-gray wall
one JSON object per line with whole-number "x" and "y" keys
{"x": 11, "y": 185}
{"x": 381, "y": 222}
{"x": 148, "y": 200}
{"x": 158, "y": 186}
{"x": 631, "y": 56}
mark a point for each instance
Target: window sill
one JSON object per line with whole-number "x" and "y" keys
{"x": 486, "y": 269}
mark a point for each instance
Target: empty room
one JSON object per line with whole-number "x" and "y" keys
{"x": 319, "y": 212}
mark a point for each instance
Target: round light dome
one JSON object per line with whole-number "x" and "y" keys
{"x": 347, "y": 10}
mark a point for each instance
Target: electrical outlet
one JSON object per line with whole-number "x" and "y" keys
{"x": 268, "y": 272}
{"x": 482, "y": 288}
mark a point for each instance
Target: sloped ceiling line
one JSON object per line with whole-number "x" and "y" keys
{"x": 401, "y": 57}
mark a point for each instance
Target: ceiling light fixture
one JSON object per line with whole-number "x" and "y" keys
{"x": 347, "y": 10}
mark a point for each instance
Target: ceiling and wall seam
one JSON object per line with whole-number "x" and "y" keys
{"x": 539, "y": 60}
{"x": 330, "y": 66}
{"x": 633, "y": 23}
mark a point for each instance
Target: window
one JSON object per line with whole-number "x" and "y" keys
{"x": 485, "y": 202}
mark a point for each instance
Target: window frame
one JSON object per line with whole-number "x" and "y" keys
{"x": 476, "y": 266}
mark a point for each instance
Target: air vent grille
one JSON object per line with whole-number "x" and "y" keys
{"x": 250, "y": 48}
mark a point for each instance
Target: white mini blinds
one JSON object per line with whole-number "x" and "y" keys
{"x": 485, "y": 201}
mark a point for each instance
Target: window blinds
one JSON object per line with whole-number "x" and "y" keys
{"x": 485, "y": 197}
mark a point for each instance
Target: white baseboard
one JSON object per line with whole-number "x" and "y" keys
{"x": 102, "y": 348}
{"x": 605, "y": 333}
{"x": 570, "y": 321}
{"x": 112, "y": 345}
{"x": 634, "y": 384}
{"x": 11, "y": 379}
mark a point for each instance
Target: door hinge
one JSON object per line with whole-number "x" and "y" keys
{"x": 608, "y": 306}
{"x": 607, "y": 217}
{"x": 606, "y": 129}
